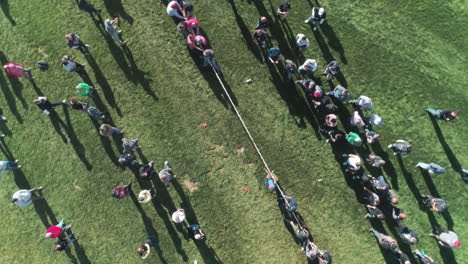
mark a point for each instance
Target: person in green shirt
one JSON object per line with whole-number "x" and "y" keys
{"x": 354, "y": 139}
{"x": 85, "y": 89}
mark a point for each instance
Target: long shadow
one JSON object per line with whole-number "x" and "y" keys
{"x": 6, "y": 11}
{"x": 248, "y": 39}
{"x": 5, "y": 130}
{"x": 77, "y": 146}
{"x": 104, "y": 85}
{"x": 333, "y": 41}
{"x": 16, "y": 85}
{"x": 456, "y": 166}
{"x": 106, "y": 143}
{"x": 36, "y": 88}
{"x": 80, "y": 252}
{"x": 411, "y": 184}
{"x": 388, "y": 167}
{"x": 150, "y": 230}
{"x": 57, "y": 123}
{"x": 115, "y": 8}
{"x": 387, "y": 254}
{"x": 9, "y": 98}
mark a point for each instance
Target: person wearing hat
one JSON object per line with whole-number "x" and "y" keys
{"x": 309, "y": 66}
{"x": 175, "y": 11}
{"x": 401, "y": 147}
{"x": 195, "y": 232}
{"x": 317, "y": 17}
{"x": 431, "y": 168}
{"x": 147, "y": 171}
{"x": 447, "y": 115}
{"x": 193, "y": 26}
{"x": 446, "y": 238}
{"x": 56, "y": 230}
{"x": 283, "y": 10}
{"x": 435, "y": 204}
{"x": 178, "y": 216}
{"x": 145, "y": 196}
{"x": 25, "y": 197}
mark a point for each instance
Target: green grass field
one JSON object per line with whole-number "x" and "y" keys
{"x": 406, "y": 56}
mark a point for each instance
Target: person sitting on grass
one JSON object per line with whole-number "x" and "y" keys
{"x": 353, "y": 139}
{"x": 145, "y": 249}
{"x": 431, "y": 168}
{"x": 401, "y": 147}
{"x": 447, "y": 115}
{"x": 195, "y": 232}
{"x": 274, "y": 55}
{"x": 56, "y": 230}
{"x": 166, "y": 175}
{"x": 120, "y": 192}
{"x": 8, "y": 165}
{"x": 25, "y": 197}
{"x": 435, "y": 204}
{"x": 64, "y": 243}
{"x": 46, "y": 107}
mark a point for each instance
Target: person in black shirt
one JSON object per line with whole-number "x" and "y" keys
{"x": 77, "y": 105}
{"x": 43, "y": 103}
{"x": 402, "y": 257}
{"x": 447, "y": 115}
{"x": 283, "y": 10}
{"x": 64, "y": 243}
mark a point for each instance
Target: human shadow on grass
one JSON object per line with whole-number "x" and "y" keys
{"x": 16, "y": 85}
{"x": 388, "y": 256}
{"x": 106, "y": 143}
{"x": 6, "y": 11}
{"x": 456, "y": 166}
{"x": 150, "y": 230}
{"x": 103, "y": 84}
{"x": 77, "y": 146}
{"x": 411, "y": 184}
{"x": 116, "y": 9}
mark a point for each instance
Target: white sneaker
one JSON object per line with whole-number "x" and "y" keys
{"x": 64, "y": 101}
{"x": 87, "y": 45}
{"x": 306, "y": 21}
{"x": 3, "y": 118}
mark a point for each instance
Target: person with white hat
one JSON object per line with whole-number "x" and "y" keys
{"x": 317, "y": 17}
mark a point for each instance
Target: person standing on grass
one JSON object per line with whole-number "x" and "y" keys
{"x": 145, "y": 196}
{"x": 260, "y": 36}
{"x": 120, "y": 192}
{"x": 145, "y": 249}
{"x": 402, "y": 257}
{"x": 56, "y": 230}
{"x": 25, "y": 197}
{"x": 309, "y": 66}
{"x": 178, "y": 216}
{"x": 431, "y": 168}
{"x": 74, "y": 42}
{"x": 64, "y": 243}
{"x": 147, "y": 171}
{"x": 166, "y": 175}
{"x": 108, "y": 130}
{"x": 301, "y": 233}
{"x": 46, "y": 107}
{"x": 375, "y": 161}
{"x": 274, "y": 55}
{"x": 209, "y": 59}
{"x": 195, "y": 232}
{"x": 446, "y": 238}
{"x": 332, "y": 69}
{"x": 187, "y": 9}
{"x": 353, "y": 161}
{"x": 7, "y": 165}
{"x": 317, "y": 17}
{"x": 372, "y": 198}
{"x": 363, "y": 102}
{"x": 288, "y": 203}
{"x": 371, "y": 136}
{"x": 374, "y": 212}
{"x": 111, "y": 29}
{"x": 87, "y": 7}
{"x": 175, "y": 11}
{"x": 324, "y": 257}
{"x": 447, "y": 115}
{"x": 69, "y": 65}
{"x": 340, "y": 93}
{"x": 386, "y": 242}
{"x": 423, "y": 258}
{"x": 290, "y": 68}
{"x": 128, "y": 160}
{"x": 302, "y": 42}
{"x": 435, "y": 204}
{"x": 15, "y": 70}
{"x": 193, "y": 26}
{"x": 263, "y": 23}
{"x": 407, "y": 235}
{"x": 77, "y": 105}
{"x": 85, "y": 89}
{"x": 401, "y": 147}
{"x": 283, "y": 10}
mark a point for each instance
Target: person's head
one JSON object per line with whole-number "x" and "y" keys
{"x": 358, "y": 163}
{"x": 78, "y": 87}
{"x": 48, "y": 235}
{"x": 141, "y": 250}
{"x": 198, "y": 237}
{"x": 68, "y": 37}
{"x": 402, "y": 216}
{"x": 175, "y": 5}
{"x": 367, "y": 101}
{"x": 73, "y": 101}
{"x": 37, "y": 101}
{"x": 455, "y": 113}
{"x": 413, "y": 240}
{"x": 304, "y": 38}
{"x": 65, "y": 59}
{"x": 263, "y": 19}
{"x": 394, "y": 200}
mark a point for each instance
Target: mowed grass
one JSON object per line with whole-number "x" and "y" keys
{"x": 405, "y": 56}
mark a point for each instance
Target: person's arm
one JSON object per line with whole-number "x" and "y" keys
{"x": 148, "y": 251}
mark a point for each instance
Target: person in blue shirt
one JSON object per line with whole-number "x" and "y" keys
{"x": 431, "y": 168}
{"x": 274, "y": 55}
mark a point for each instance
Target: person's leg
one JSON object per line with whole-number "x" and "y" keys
{"x": 53, "y": 105}
{"x": 61, "y": 224}
{"x": 71, "y": 239}
{"x": 422, "y": 165}
{"x": 128, "y": 186}
{"x": 377, "y": 234}
{"x": 116, "y": 37}
{"x": 434, "y": 113}
{"x": 115, "y": 131}
{"x": 11, "y": 165}
{"x": 166, "y": 165}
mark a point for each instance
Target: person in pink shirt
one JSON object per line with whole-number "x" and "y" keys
{"x": 56, "y": 230}
{"x": 193, "y": 26}
{"x": 15, "y": 70}
{"x": 197, "y": 42}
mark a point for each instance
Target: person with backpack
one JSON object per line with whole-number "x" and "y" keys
{"x": 283, "y": 10}
{"x": 120, "y": 192}
{"x": 25, "y": 197}
{"x": 317, "y": 18}
{"x": 69, "y": 65}
{"x": 431, "y": 168}
{"x": 74, "y": 42}
{"x": 401, "y": 147}
{"x": 332, "y": 69}
{"x": 46, "y": 107}
{"x": 166, "y": 175}
{"x": 111, "y": 29}
{"x": 446, "y": 115}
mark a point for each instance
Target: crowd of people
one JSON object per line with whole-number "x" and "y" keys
{"x": 379, "y": 198}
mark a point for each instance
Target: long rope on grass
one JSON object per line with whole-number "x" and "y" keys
{"x": 267, "y": 168}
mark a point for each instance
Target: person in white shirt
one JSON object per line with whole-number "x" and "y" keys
{"x": 309, "y": 66}
{"x": 25, "y": 197}
{"x": 353, "y": 162}
{"x": 178, "y": 216}
{"x": 317, "y": 17}
{"x": 302, "y": 42}
{"x": 175, "y": 11}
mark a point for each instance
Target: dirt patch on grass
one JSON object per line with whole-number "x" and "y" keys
{"x": 217, "y": 148}
{"x": 191, "y": 185}
{"x": 240, "y": 150}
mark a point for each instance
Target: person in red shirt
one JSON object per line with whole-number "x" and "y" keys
{"x": 56, "y": 230}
